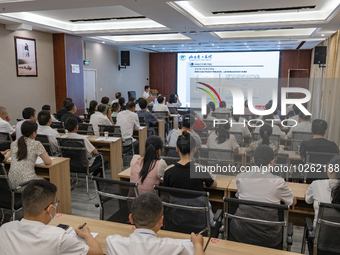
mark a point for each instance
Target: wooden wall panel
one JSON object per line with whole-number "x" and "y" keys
{"x": 59, "y": 69}
{"x": 156, "y": 71}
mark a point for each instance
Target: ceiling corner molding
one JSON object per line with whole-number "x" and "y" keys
{"x": 186, "y": 14}
{"x": 333, "y": 14}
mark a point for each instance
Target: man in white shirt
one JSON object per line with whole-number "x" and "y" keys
{"x": 28, "y": 114}
{"x": 118, "y": 95}
{"x": 303, "y": 126}
{"x": 101, "y": 117}
{"x": 222, "y": 108}
{"x": 5, "y": 127}
{"x": 160, "y": 107}
{"x": 47, "y": 107}
{"x": 146, "y": 93}
{"x": 128, "y": 121}
{"x": 147, "y": 216}
{"x": 32, "y": 235}
{"x": 44, "y": 128}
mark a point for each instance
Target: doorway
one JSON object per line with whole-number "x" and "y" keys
{"x": 90, "y": 86}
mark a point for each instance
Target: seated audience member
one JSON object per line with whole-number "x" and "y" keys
{"x": 213, "y": 106}
{"x": 121, "y": 102}
{"x": 238, "y": 124}
{"x": 276, "y": 129}
{"x": 318, "y": 143}
{"x": 222, "y": 139}
{"x": 47, "y": 107}
{"x": 5, "y": 127}
{"x": 33, "y": 235}
{"x": 246, "y": 109}
{"x": 24, "y": 153}
{"x": 118, "y": 95}
{"x": 132, "y": 99}
{"x": 147, "y": 216}
{"x": 289, "y": 108}
{"x": 45, "y": 121}
{"x": 260, "y": 186}
{"x": 293, "y": 116}
{"x": 304, "y": 125}
{"x": 199, "y": 123}
{"x": 188, "y": 124}
{"x": 93, "y": 107}
{"x": 208, "y": 115}
{"x": 268, "y": 106}
{"x": 322, "y": 191}
{"x": 137, "y": 104}
{"x": 101, "y": 117}
{"x": 150, "y": 119}
{"x": 63, "y": 110}
{"x": 147, "y": 171}
{"x": 71, "y": 113}
{"x": 4, "y": 155}
{"x": 71, "y": 125}
{"x": 28, "y": 114}
{"x": 115, "y": 109}
{"x": 222, "y": 108}
{"x": 160, "y": 107}
{"x": 128, "y": 120}
{"x": 106, "y": 100}
{"x": 173, "y": 101}
{"x": 146, "y": 93}
{"x": 265, "y": 132}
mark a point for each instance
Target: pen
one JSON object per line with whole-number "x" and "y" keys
{"x": 81, "y": 227}
{"x": 203, "y": 231}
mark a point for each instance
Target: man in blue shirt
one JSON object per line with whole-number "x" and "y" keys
{"x": 150, "y": 119}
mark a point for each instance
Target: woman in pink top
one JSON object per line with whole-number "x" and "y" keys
{"x": 147, "y": 171}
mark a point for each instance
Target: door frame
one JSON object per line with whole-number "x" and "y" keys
{"x": 96, "y": 87}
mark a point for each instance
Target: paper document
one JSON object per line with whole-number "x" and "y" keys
{"x": 108, "y": 139}
{"x": 71, "y": 232}
{"x": 188, "y": 245}
{"x": 141, "y": 128}
{"x": 39, "y": 160}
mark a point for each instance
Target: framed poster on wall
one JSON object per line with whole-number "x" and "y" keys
{"x": 25, "y": 57}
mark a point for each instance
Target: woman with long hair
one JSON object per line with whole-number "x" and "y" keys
{"x": 208, "y": 115}
{"x": 93, "y": 107}
{"x": 147, "y": 171}
{"x": 174, "y": 101}
{"x": 24, "y": 153}
{"x": 222, "y": 139}
{"x": 265, "y": 132}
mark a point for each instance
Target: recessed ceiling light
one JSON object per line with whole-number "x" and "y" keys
{"x": 323, "y": 35}
{"x": 218, "y": 47}
{"x": 249, "y": 49}
{"x": 153, "y": 45}
{"x": 103, "y": 42}
{"x": 182, "y": 45}
{"x": 245, "y": 43}
{"x": 222, "y": 49}
{"x": 212, "y": 44}
{"x": 196, "y": 49}
{"x": 247, "y": 46}
{"x": 171, "y": 50}
{"x": 279, "y": 42}
{"x": 190, "y": 48}
{"x": 163, "y": 48}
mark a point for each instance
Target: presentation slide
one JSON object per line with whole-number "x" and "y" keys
{"x": 260, "y": 70}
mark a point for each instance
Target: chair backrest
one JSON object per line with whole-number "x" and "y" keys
{"x": 142, "y": 121}
{"x": 85, "y": 129}
{"x": 255, "y": 136}
{"x": 111, "y": 191}
{"x": 45, "y": 142}
{"x": 212, "y": 157}
{"x": 238, "y": 136}
{"x": 173, "y": 110}
{"x": 327, "y": 231}
{"x": 299, "y": 137}
{"x": 282, "y": 159}
{"x": 59, "y": 126}
{"x": 87, "y": 117}
{"x": 170, "y": 155}
{"x": 221, "y": 115}
{"x": 76, "y": 151}
{"x": 161, "y": 115}
{"x": 275, "y": 138}
{"x": 113, "y": 130}
{"x": 150, "y": 108}
{"x": 132, "y": 94}
{"x": 5, "y": 141}
{"x": 5, "y": 189}
{"x": 245, "y": 220}
{"x": 209, "y": 124}
{"x": 114, "y": 119}
{"x": 187, "y": 210}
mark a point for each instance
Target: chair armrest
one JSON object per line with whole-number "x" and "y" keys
{"x": 290, "y": 234}
{"x": 21, "y": 185}
{"x": 99, "y": 154}
{"x": 309, "y": 224}
{"x": 218, "y": 215}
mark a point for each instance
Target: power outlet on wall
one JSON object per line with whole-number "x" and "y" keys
{"x": 147, "y": 78}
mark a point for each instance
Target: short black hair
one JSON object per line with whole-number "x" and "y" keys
{"x": 189, "y": 121}
{"x": 146, "y": 87}
{"x": 146, "y": 210}
{"x": 71, "y": 124}
{"x": 118, "y": 95}
{"x": 69, "y": 106}
{"x": 37, "y": 195}
{"x": 160, "y": 99}
{"x": 263, "y": 155}
{"x": 115, "y": 107}
{"x": 303, "y": 116}
{"x": 319, "y": 127}
{"x": 44, "y": 117}
{"x": 121, "y": 101}
{"x": 67, "y": 100}
{"x": 223, "y": 105}
{"x": 131, "y": 99}
{"x": 46, "y": 107}
{"x": 142, "y": 103}
{"x": 28, "y": 112}
{"x": 185, "y": 143}
{"x": 105, "y": 100}
{"x": 102, "y": 108}
{"x": 130, "y": 105}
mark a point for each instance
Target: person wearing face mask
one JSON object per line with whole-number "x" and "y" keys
{"x": 32, "y": 235}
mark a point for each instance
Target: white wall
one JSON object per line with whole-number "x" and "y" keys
{"x": 105, "y": 58}
{"x": 20, "y": 92}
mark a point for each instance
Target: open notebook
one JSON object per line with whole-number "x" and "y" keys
{"x": 71, "y": 232}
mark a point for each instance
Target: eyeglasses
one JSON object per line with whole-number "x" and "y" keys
{"x": 56, "y": 204}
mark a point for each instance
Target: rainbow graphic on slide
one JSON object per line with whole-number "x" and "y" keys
{"x": 209, "y": 93}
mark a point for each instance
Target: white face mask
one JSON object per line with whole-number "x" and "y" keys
{"x": 55, "y": 212}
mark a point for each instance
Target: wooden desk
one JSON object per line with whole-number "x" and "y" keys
{"x": 57, "y": 173}
{"x": 112, "y": 152}
{"x": 141, "y": 135}
{"x": 106, "y": 228}
{"x": 174, "y": 118}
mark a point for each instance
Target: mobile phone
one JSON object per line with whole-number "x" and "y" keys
{"x": 63, "y": 226}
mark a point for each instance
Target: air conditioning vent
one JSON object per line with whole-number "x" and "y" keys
{"x": 297, "y": 8}
{"x": 108, "y": 19}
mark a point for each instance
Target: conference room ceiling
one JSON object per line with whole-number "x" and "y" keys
{"x": 182, "y": 26}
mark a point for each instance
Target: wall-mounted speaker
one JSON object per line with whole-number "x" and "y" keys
{"x": 125, "y": 58}
{"x": 320, "y": 54}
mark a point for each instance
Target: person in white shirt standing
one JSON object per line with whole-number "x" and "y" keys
{"x": 28, "y": 114}
{"x": 101, "y": 117}
{"x": 44, "y": 128}
{"x": 32, "y": 235}
{"x": 128, "y": 120}
{"x": 5, "y": 127}
{"x": 147, "y": 216}
{"x": 146, "y": 93}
